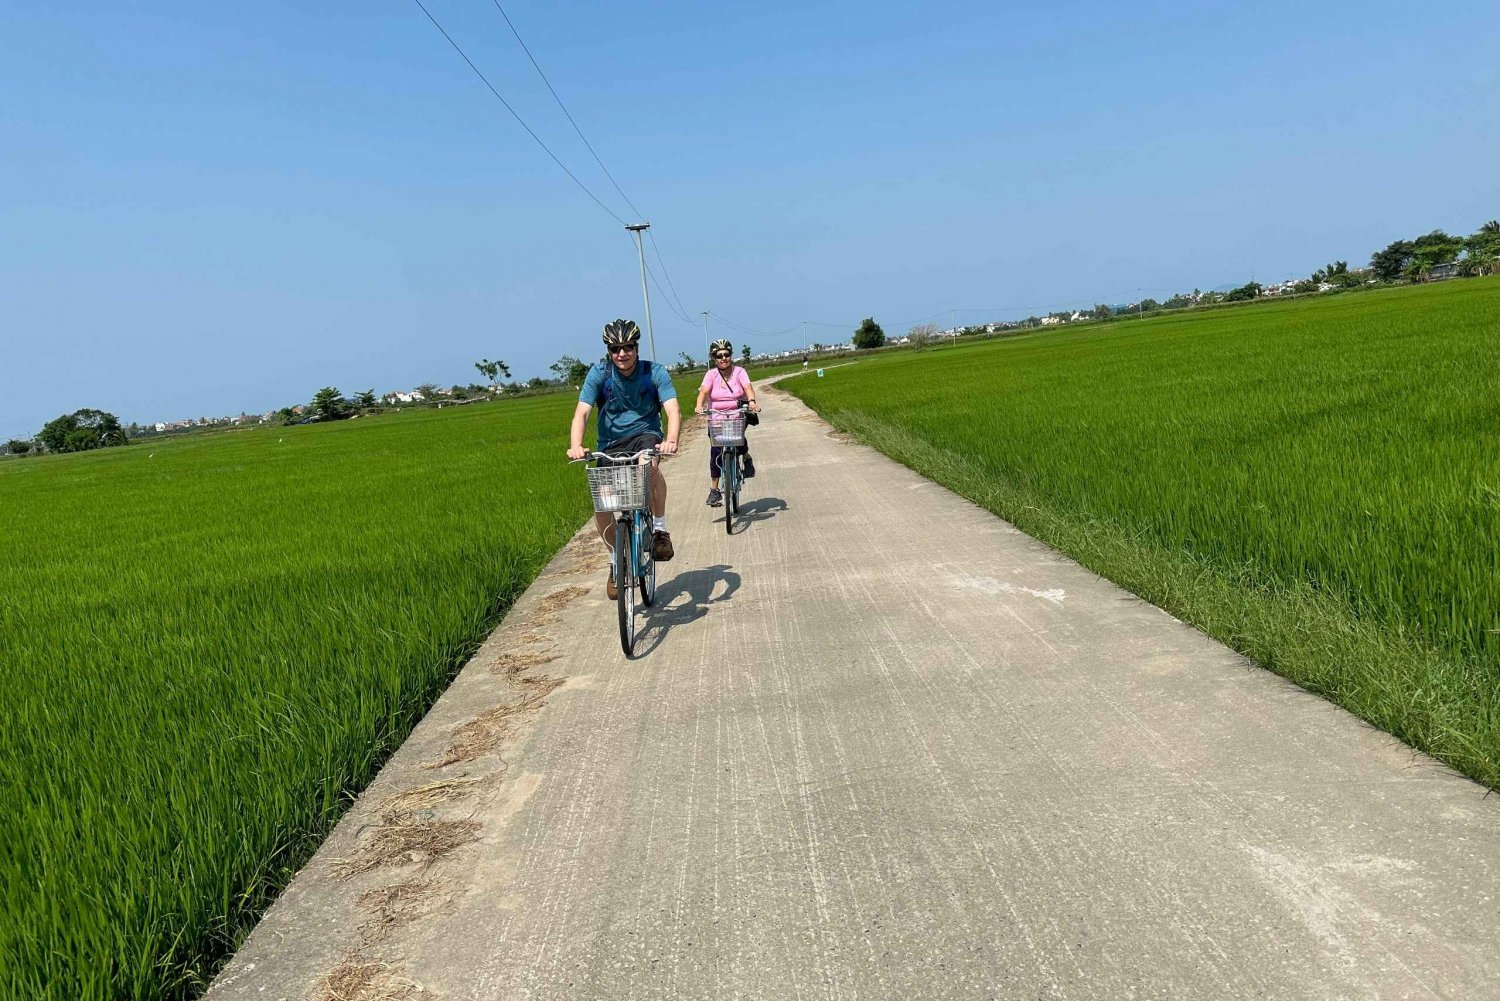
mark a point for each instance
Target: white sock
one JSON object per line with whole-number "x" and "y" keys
{"x": 659, "y": 524}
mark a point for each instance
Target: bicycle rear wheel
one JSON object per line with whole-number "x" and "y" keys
{"x": 624, "y": 542}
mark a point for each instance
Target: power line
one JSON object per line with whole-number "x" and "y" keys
{"x": 667, "y": 274}
{"x": 680, "y": 314}
{"x": 517, "y": 117}
{"x": 639, "y": 214}
{"x": 754, "y": 333}
{"x": 680, "y": 309}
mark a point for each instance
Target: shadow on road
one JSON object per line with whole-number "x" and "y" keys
{"x": 683, "y": 599}
{"x": 759, "y": 509}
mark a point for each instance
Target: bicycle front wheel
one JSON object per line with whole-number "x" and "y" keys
{"x": 625, "y": 602}
{"x": 646, "y": 579}
{"x": 731, "y": 479}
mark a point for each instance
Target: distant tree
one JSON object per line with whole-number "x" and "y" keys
{"x": 82, "y": 430}
{"x": 365, "y": 400}
{"x": 570, "y": 370}
{"x": 1329, "y": 272}
{"x": 1388, "y": 264}
{"x": 18, "y": 447}
{"x": 328, "y": 403}
{"x": 745, "y": 353}
{"x": 286, "y": 415}
{"x": 1249, "y": 290}
{"x": 458, "y": 392}
{"x": 1102, "y": 312}
{"x": 1428, "y": 251}
{"x": 1147, "y": 305}
{"x": 685, "y": 362}
{"x": 921, "y": 335}
{"x": 869, "y": 334}
{"x": 1482, "y": 249}
{"x": 1475, "y": 264}
{"x": 536, "y": 382}
{"x": 429, "y": 390}
{"x": 492, "y": 370}
{"x": 1178, "y": 301}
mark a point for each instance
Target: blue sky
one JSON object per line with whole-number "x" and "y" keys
{"x": 221, "y": 207}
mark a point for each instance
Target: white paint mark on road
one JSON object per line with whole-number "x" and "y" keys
{"x": 990, "y": 585}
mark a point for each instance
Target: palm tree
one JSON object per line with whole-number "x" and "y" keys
{"x": 1491, "y": 228}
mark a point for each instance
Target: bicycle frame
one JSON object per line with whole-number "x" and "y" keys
{"x": 632, "y": 565}
{"x": 730, "y": 479}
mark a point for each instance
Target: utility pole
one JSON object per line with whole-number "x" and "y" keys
{"x": 804, "y": 338}
{"x": 645, "y": 292}
{"x": 706, "y": 359}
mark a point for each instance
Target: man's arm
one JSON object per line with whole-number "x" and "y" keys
{"x": 674, "y": 424}
{"x": 575, "y": 433}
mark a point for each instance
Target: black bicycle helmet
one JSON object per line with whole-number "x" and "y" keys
{"x": 621, "y": 332}
{"x": 720, "y": 345}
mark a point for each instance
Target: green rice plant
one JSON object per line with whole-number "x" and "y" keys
{"x": 209, "y": 645}
{"x": 1316, "y": 483}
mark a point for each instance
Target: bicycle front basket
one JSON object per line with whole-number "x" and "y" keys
{"x": 618, "y": 488}
{"x": 726, "y": 430}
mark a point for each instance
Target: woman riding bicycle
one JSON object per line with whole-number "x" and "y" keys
{"x": 725, "y": 387}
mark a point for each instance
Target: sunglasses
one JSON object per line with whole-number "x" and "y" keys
{"x": 722, "y": 354}
{"x": 619, "y": 349}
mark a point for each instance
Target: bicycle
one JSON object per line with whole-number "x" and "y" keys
{"x": 726, "y": 430}
{"x": 621, "y": 486}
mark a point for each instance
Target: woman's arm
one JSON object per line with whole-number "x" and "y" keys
{"x": 750, "y": 392}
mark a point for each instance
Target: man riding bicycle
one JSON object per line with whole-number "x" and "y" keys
{"x": 631, "y": 395}
{"x": 725, "y": 387}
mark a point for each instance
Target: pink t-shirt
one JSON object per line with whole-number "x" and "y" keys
{"x": 724, "y": 392}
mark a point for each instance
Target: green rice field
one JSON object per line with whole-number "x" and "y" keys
{"x": 210, "y": 644}
{"x": 1314, "y": 482}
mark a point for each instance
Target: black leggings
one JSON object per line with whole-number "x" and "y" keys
{"x": 716, "y": 457}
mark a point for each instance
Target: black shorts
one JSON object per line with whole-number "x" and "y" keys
{"x": 629, "y": 446}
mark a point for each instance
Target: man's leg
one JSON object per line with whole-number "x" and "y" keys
{"x": 605, "y": 523}
{"x": 658, "y": 491}
{"x": 661, "y": 542}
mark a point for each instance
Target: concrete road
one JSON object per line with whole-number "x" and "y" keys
{"x": 883, "y": 745}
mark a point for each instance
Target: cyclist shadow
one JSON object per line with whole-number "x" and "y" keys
{"x": 701, "y": 588}
{"x": 761, "y": 509}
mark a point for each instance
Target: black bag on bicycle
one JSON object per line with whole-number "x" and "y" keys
{"x": 751, "y": 417}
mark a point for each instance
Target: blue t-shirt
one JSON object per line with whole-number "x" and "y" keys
{"x": 627, "y": 406}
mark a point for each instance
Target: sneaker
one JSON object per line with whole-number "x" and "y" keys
{"x": 610, "y": 588}
{"x": 661, "y": 547}
{"x": 748, "y": 466}
{"x": 715, "y": 497}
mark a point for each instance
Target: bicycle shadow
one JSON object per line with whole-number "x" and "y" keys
{"x": 670, "y": 610}
{"x": 760, "y": 509}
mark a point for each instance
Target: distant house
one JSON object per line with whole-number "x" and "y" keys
{"x": 1441, "y": 271}
{"x": 1051, "y": 321}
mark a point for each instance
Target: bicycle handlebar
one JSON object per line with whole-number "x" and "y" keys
{"x": 743, "y": 408}
{"x": 643, "y": 453}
